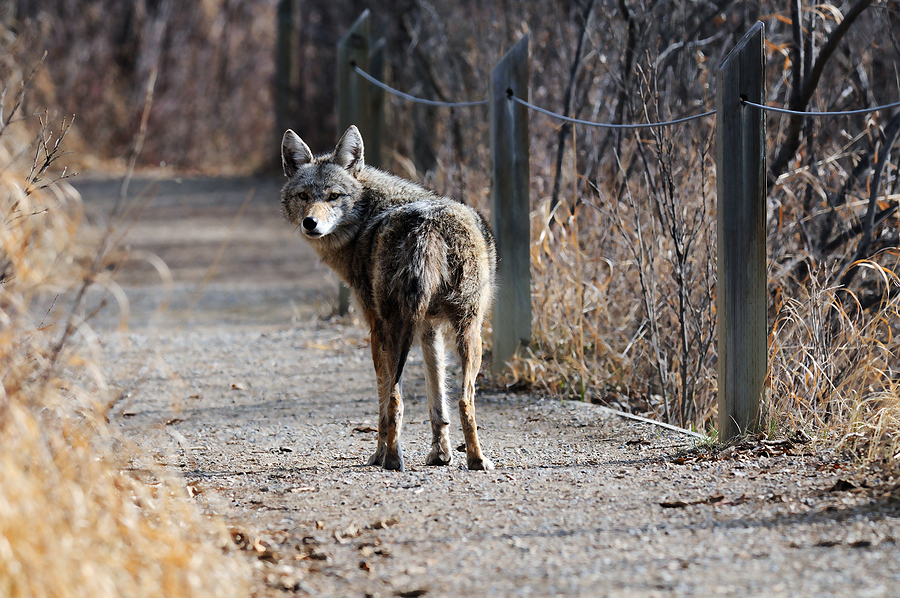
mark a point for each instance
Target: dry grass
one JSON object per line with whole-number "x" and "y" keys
{"x": 74, "y": 520}
{"x": 834, "y": 369}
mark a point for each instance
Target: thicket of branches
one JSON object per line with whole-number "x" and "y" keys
{"x": 624, "y": 235}
{"x": 214, "y": 68}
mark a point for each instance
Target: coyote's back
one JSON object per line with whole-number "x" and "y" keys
{"x": 417, "y": 262}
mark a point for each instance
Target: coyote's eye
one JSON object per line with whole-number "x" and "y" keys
{"x": 334, "y": 196}
{"x": 303, "y": 195}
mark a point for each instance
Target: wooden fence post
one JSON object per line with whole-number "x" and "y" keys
{"x": 511, "y": 205}
{"x": 741, "y": 205}
{"x": 354, "y": 101}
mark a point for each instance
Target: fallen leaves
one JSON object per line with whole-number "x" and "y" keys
{"x": 384, "y": 523}
{"x": 194, "y": 488}
{"x": 373, "y": 549}
{"x": 843, "y": 485}
{"x": 752, "y": 447}
{"x": 252, "y": 544}
{"x": 680, "y": 504}
{"x": 348, "y": 533}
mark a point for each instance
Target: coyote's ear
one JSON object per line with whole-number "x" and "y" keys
{"x": 294, "y": 153}
{"x": 349, "y": 151}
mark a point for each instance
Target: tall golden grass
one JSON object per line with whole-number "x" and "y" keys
{"x": 834, "y": 367}
{"x": 74, "y": 520}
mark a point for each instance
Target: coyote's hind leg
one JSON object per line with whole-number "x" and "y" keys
{"x": 432, "y": 340}
{"x": 469, "y": 346}
{"x": 382, "y": 382}
{"x": 390, "y": 347}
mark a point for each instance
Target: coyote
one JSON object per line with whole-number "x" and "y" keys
{"x": 418, "y": 264}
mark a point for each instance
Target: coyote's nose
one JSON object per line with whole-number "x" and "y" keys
{"x": 310, "y": 223}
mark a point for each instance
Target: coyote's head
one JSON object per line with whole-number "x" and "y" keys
{"x": 321, "y": 194}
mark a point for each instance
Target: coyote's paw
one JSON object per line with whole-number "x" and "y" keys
{"x": 439, "y": 456}
{"x": 377, "y": 458}
{"x": 480, "y": 464}
{"x": 394, "y": 462}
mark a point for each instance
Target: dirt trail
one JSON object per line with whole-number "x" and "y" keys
{"x": 268, "y": 411}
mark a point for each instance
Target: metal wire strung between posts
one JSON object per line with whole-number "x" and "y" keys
{"x": 610, "y": 125}
{"x": 799, "y": 113}
{"x": 406, "y": 96}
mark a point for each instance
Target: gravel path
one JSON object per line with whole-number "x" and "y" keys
{"x": 268, "y": 412}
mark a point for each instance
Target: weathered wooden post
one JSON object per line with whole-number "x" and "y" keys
{"x": 741, "y": 187}
{"x": 354, "y": 101}
{"x": 511, "y": 205}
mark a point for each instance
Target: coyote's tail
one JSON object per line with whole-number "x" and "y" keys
{"x": 422, "y": 271}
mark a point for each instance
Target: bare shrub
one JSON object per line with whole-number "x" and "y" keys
{"x": 215, "y": 64}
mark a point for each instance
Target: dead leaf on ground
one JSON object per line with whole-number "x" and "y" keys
{"x": 843, "y": 485}
{"x": 675, "y": 504}
{"x": 365, "y": 429}
{"x": 313, "y": 554}
{"x": 255, "y": 545}
{"x": 367, "y": 550}
{"x": 384, "y": 523}
{"x": 345, "y": 535}
{"x": 289, "y": 582}
{"x": 827, "y": 543}
{"x": 637, "y": 442}
{"x": 679, "y": 504}
{"x": 194, "y": 488}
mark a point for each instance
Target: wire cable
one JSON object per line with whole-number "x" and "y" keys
{"x": 799, "y": 113}
{"x": 610, "y": 125}
{"x": 406, "y": 96}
